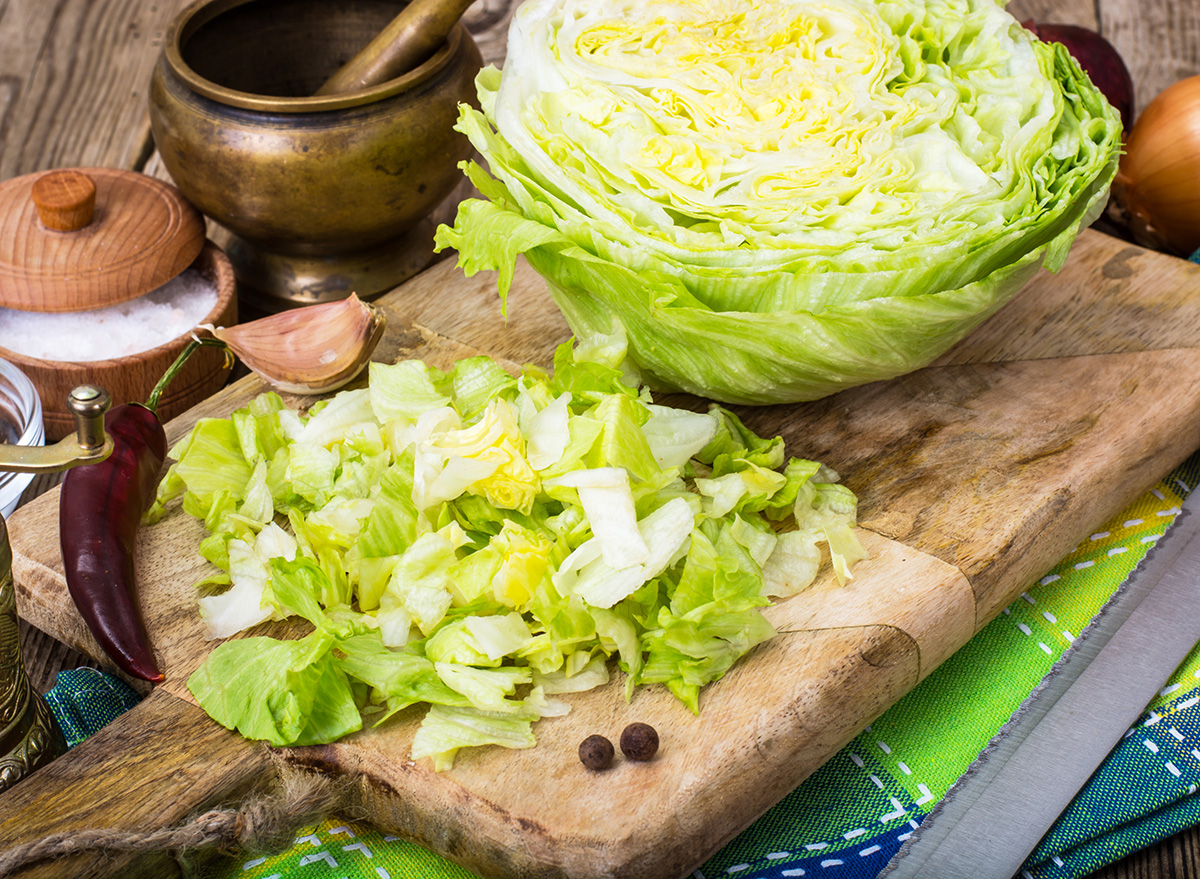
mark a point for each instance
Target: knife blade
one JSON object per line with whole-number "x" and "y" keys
{"x": 1040, "y": 759}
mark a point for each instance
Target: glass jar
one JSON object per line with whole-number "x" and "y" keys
{"x": 20, "y": 424}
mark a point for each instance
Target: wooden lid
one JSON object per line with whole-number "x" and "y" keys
{"x": 86, "y": 238}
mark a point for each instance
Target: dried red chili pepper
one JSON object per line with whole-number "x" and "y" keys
{"x": 100, "y": 510}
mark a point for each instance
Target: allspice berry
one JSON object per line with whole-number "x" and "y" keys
{"x": 596, "y": 752}
{"x": 639, "y": 741}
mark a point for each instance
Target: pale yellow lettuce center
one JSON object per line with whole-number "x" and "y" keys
{"x": 803, "y": 113}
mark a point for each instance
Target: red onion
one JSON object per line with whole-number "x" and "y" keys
{"x": 1099, "y": 59}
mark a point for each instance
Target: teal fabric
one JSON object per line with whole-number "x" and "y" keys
{"x": 1145, "y": 791}
{"x": 83, "y": 700}
{"x": 849, "y": 818}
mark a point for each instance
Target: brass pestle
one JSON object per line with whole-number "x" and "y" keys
{"x": 408, "y": 39}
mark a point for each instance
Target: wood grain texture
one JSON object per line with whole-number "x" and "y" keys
{"x": 151, "y": 768}
{"x": 45, "y": 657}
{"x": 488, "y": 20}
{"x": 974, "y": 476}
{"x": 1056, "y": 11}
{"x": 1160, "y": 42}
{"x": 73, "y": 82}
{"x": 72, "y": 73}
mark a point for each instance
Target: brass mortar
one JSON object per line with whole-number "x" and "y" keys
{"x": 325, "y": 196}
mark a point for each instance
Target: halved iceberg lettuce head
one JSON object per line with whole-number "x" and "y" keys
{"x": 773, "y": 200}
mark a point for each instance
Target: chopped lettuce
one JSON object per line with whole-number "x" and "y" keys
{"x": 283, "y": 692}
{"x": 479, "y": 543}
{"x": 446, "y": 729}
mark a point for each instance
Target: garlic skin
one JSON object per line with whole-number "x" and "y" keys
{"x": 314, "y": 349}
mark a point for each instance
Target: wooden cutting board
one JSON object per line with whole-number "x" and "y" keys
{"x": 974, "y": 476}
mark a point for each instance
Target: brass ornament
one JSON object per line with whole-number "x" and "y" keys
{"x": 29, "y": 736}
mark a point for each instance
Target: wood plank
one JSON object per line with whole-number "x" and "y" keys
{"x": 45, "y": 656}
{"x": 24, "y": 28}
{"x": 1056, "y": 12}
{"x": 488, "y": 21}
{"x": 80, "y": 99}
{"x": 146, "y": 770}
{"x": 1159, "y": 40}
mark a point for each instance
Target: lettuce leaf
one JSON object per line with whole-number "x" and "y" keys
{"x": 406, "y": 529}
{"x": 283, "y": 692}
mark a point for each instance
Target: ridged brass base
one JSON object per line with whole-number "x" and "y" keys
{"x": 29, "y": 737}
{"x": 272, "y": 281}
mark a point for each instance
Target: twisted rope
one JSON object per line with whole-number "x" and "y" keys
{"x": 265, "y": 823}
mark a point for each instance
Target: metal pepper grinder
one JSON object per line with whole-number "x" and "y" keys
{"x": 29, "y": 736}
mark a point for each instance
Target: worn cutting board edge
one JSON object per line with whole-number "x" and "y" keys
{"x": 1078, "y": 510}
{"x": 707, "y": 763}
{"x": 154, "y": 767}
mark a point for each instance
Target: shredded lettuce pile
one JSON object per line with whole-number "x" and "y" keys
{"x": 772, "y": 200}
{"x": 480, "y": 543}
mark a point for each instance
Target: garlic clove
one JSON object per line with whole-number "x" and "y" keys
{"x": 308, "y": 350}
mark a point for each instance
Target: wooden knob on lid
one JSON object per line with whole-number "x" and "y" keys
{"x": 65, "y": 200}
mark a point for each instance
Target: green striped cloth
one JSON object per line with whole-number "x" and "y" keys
{"x": 849, "y": 818}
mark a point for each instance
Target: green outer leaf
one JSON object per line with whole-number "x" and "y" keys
{"x": 744, "y": 308}
{"x": 283, "y": 692}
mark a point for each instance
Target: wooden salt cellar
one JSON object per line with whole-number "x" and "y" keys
{"x": 80, "y": 239}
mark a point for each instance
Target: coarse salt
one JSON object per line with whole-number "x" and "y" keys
{"x": 158, "y": 317}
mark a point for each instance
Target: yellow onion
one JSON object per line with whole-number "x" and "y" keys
{"x": 1157, "y": 187}
{"x": 309, "y": 350}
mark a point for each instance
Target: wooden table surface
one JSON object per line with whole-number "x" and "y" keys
{"x": 73, "y": 82}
